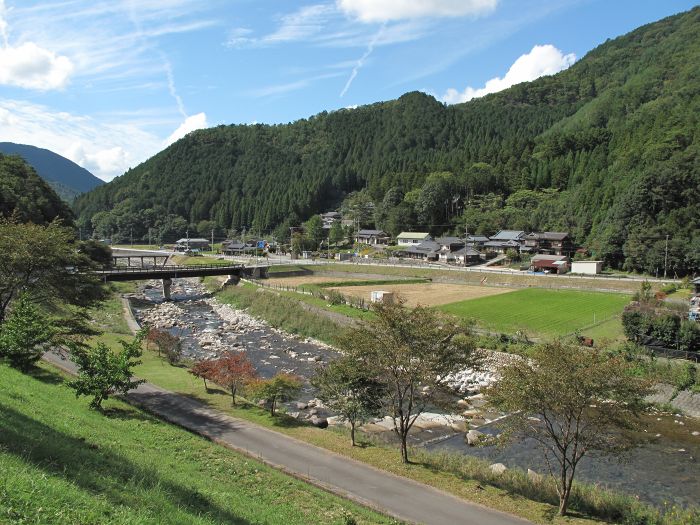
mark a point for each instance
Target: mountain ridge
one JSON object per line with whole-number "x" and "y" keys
{"x": 606, "y": 149}
{"x": 66, "y": 177}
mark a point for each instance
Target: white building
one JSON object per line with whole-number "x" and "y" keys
{"x": 587, "y": 267}
{"x": 410, "y": 238}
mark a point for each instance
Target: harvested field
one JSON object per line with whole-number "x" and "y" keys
{"x": 428, "y": 294}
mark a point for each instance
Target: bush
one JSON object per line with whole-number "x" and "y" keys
{"x": 689, "y": 336}
{"x": 334, "y": 297}
{"x": 665, "y": 329}
{"x": 669, "y": 288}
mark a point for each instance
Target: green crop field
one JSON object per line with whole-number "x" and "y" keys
{"x": 541, "y": 312}
{"x": 62, "y": 463}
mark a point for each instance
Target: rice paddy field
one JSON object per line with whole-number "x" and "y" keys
{"x": 540, "y": 312}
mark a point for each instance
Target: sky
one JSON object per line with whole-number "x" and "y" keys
{"x": 109, "y": 83}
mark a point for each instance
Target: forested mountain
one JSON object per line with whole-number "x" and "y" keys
{"x": 67, "y": 178}
{"x": 27, "y": 197}
{"x": 607, "y": 149}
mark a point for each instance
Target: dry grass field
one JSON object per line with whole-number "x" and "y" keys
{"x": 428, "y": 294}
{"x": 310, "y": 279}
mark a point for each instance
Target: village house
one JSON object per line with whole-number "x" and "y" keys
{"x": 556, "y": 243}
{"x": 477, "y": 241}
{"x": 233, "y": 247}
{"x": 328, "y": 219}
{"x": 373, "y": 237}
{"x": 411, "y": 238}
{"x": 426, "y": 250}
{"x": 505, "y": 240}
{"x": 472, "y": 256}
{"x": 193, "y": 243}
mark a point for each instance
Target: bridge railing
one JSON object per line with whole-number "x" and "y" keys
{"x": 169, "y": 268}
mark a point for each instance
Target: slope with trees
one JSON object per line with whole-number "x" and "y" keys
{"x": 607, "y": 150}
{"x": 66, "y": 178}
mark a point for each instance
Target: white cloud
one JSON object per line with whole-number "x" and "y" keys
{"x": 106, "y": 149}
{"x": 191, "y": 123}
{"x": 29, "y": 65}
{"x": 540, "y": 61}
{"x": 388, "y": 10}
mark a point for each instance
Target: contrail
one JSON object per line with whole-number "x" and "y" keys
{"x": 171, "y": 86}
{"x": 362, "y": 59}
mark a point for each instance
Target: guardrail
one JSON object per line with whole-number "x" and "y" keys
{"x": 171, "y": 268}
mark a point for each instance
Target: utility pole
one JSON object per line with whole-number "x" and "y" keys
{"x": 131, "y": 235}
{"x": 666, "y": 256}
{"x": 187, "y": 240}
{"x": 212, "y": 240}
{"x": 149, "y": 236}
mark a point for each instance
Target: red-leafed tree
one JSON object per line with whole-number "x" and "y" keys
{"x": 232, "y": 371}
{"x": 204, "y": 370}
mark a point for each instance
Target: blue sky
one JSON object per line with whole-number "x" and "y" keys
{"x": 108, "y": 83}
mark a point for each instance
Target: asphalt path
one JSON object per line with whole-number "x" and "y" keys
{"x": 399, "y": 497}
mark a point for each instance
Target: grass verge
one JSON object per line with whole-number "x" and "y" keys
{"x": 63, "y": 463}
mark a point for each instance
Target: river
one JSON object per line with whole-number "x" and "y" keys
{"x": 663, "y": 470}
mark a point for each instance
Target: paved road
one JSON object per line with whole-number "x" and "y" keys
{"x": 399, "y": 497}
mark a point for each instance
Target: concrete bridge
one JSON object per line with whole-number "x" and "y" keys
{"x": 169, "y": 272}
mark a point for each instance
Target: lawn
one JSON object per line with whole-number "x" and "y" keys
{"x": 540, "y": 312}
{"x": 65, "y": 464}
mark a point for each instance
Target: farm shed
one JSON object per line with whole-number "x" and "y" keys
{"x": 552, "y": 263}
{"x": 381, "y": 296}
{"x": 587, "y": 267}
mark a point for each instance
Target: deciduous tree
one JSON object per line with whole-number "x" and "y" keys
{"x": 44, "y": 261}
{"x": 412, "y": 352}
{"x": 232, "y": 371}
{"x": 279, "y": 388}
{"x": 204, "y": 370}
{"x": 103, "y": 372}
{"x": 571, "y": 402}
{"x": 349, "y": 390}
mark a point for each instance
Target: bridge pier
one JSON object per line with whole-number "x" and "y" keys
{"x": 233, "y": 279}
{"x": 167, "y": 283}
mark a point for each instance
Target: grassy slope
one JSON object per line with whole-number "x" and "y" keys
{"x": 540, "y": 312}
{"x": 63, "y": 463}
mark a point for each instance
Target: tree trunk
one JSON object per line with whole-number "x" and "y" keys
{"x": 565, "y": 493}
{"x": 233, "y": 396}
{"x": 272, "y": 407}
{"x": 352, "y": 433}
{"x": 404, "y": 448}
{"x": 206, "y": 388}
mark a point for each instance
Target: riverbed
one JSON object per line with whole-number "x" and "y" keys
{"x": 664, "y": 470}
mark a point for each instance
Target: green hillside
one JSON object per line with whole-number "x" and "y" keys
{"x": 62, "y": 463}
{"x": 26, "y": 196}
{"x": 607, "y": 150}
{"x": 64, "y": 176}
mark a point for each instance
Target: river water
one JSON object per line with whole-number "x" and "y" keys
{"x": 663, "y": 470}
